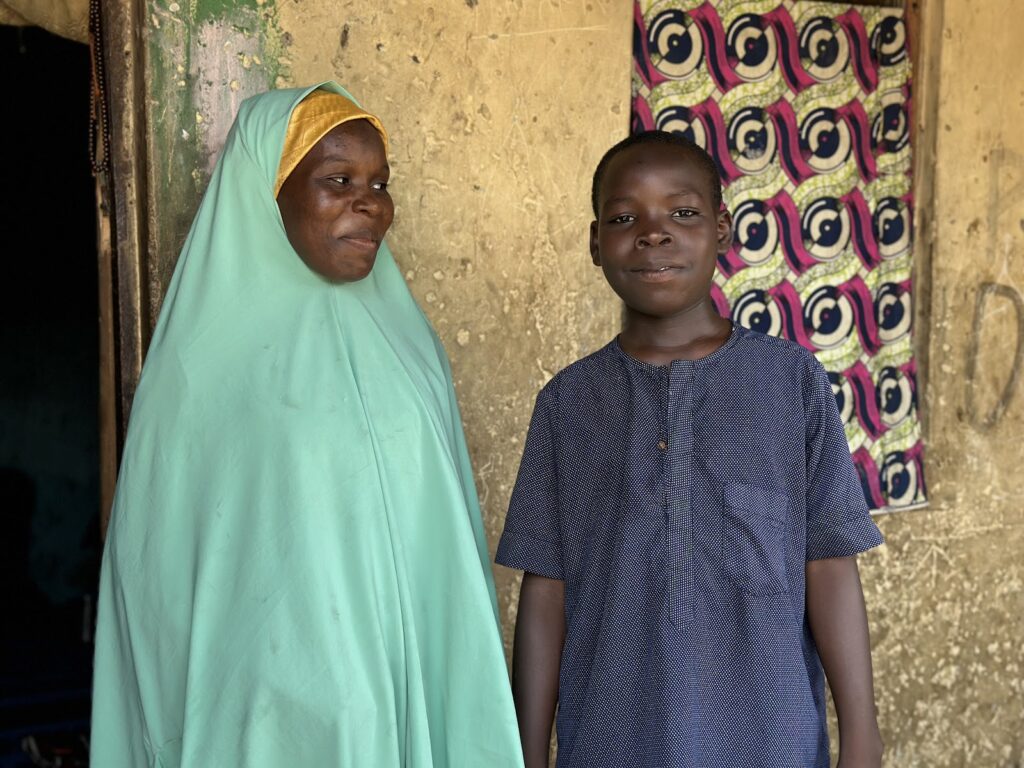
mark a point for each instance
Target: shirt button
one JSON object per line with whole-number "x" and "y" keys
{"x": 662, "y": 445}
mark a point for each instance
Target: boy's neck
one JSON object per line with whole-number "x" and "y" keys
{"x": 688, "y": 336}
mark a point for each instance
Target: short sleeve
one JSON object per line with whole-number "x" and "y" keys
{"x": 839, "y": 522}
{"x": 531, "y": 540}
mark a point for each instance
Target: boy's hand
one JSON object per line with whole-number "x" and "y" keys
{"x": 871, "y": 762}
{"x": 839, "y": 625}
{"x": 536, "y": 658}
{"x": 868, "y": 756}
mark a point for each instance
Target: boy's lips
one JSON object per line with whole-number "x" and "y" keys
{"x": 657, "y": 273}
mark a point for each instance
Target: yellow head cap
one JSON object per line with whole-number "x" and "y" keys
{"x": 311, "y": 120}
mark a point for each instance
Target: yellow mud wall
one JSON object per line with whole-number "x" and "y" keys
{"x": 498, "y": 113}
{"x": 947, "y": 591}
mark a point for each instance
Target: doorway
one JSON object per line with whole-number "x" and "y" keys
{"x": 49, "y": 394}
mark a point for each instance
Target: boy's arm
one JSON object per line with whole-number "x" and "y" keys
{"x": 839, "y": 624}
{"x": 536, "y": 657}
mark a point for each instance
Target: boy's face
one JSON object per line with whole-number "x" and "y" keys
{"x": 658, "y": 234}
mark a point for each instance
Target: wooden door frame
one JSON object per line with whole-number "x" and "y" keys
{"x": 123, "y": 219}
{"x": 924, "y": 27}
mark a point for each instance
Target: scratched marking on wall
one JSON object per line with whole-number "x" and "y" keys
{"x": 996, "y": 298}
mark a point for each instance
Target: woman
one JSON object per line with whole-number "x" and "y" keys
{"x": 296, "y": 572}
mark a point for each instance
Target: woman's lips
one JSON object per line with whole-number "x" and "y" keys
{"x": 363, "y": 240}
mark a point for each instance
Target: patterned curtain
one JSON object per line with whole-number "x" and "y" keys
{"x": 805, "y": 107}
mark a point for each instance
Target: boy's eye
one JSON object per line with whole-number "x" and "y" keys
{"x": 380, "y": 186}
{"x": 684, "y": 213}
{"x": 624, "y": 218}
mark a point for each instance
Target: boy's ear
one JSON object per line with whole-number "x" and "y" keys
{"x": 595, "y": 253}
{"x": 724, "y": 237}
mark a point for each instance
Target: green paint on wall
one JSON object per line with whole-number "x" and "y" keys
{"x": 205, "y": 57}
{"x": 212, "y": 10}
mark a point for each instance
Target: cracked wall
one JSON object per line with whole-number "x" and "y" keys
{"x": 498, "y": 114}
{"x": 947, "y": 591}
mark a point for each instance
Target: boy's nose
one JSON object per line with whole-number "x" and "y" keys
{"x": 653, "y": 239}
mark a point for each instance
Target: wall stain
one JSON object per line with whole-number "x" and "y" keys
{"x": 204, "y": 59}
{"x": 984, "y": 423}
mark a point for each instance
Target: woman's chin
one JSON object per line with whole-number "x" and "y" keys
{"x": 345, "y": 270}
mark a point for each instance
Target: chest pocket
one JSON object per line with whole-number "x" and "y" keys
{"x": 754, "y": 538}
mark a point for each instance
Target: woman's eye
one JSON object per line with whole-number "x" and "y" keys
{"x": 340, "y": 180}
{"x": 685, "y": 213}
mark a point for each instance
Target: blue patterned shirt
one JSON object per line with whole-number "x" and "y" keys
{"x": 679, "y": 504}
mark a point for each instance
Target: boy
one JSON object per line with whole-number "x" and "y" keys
{"x": 687, "y": 514}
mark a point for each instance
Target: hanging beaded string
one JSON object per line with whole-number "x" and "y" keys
{"x": 99, "y": 120}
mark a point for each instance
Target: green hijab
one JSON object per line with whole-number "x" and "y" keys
{"x": 295, "y": 572}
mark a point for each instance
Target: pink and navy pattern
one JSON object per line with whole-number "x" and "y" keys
{"x": 805, "y": 107}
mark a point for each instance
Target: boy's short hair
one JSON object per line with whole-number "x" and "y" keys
{"x": 696, "y": 152}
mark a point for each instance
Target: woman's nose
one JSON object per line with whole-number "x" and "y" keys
{"x": 366, "y": 201}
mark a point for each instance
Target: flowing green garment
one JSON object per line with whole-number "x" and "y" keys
{"x": 295, "y": 572}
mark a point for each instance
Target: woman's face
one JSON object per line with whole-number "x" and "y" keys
{"x": 335, "y": 204}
